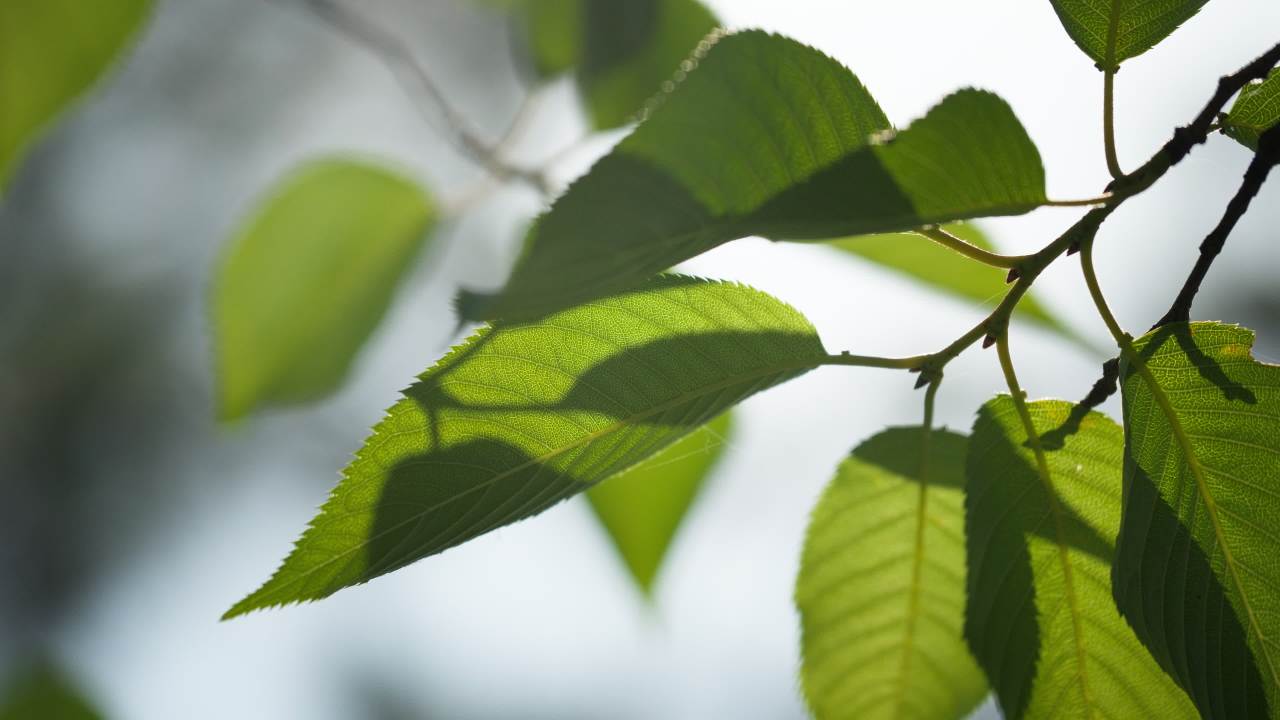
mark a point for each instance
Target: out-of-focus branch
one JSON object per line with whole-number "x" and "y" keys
{"x": 422, "y": 90}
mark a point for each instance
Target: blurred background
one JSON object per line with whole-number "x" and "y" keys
{"x": 130, "y": 519}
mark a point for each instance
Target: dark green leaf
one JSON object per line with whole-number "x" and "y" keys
{"x": 1112, "y": 31}
{"x": 918, "y": 257}
{"x": 523, "y": 416}
{"x": 308, "y": 278}
{"x": 642, "y": 508}
{"x": 42, "y": 693}
{"x": 622, "y": 51}
{"x": 767, "y": 137}
{"x": 1040, "y": 617}
{"x": 1198, "y": 564}
{"x": 51, "y": 52}
{"x": 881, "y": 585}
{"x": 1255, "y": 111}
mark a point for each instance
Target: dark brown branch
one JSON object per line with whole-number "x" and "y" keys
{"x": 1105, "y": 387}
{"x": 1188, "y": 136}
{"x": 1267, "y": 157}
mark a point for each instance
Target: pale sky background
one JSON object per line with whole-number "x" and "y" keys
{"x": 136, "y": 191}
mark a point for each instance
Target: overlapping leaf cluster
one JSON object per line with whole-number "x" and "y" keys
{"x": 1073, "y": 566}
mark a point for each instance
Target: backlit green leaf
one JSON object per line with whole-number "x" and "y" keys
{"x": 523, "y": 416}
{"x": 1112, "y": 31}
{"x": 1255, "y": 110}
{"x": 1198, "y": 563}
{"x": 51, "y": 52}
{"x": 766, "y": 137}
{"x": 622, "y": 52}
{"x": 642, "y": 508}
{"x": 1040, "y": 617}
{"x": 41, "y": 692}
{"x": 881, "y": 585}
{"x": 307, "y": 279}
{"x": 918, "y": 257}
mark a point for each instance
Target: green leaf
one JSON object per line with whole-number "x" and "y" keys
{"x": 1198, "y": 566}
{"x": 43, "y": 693}
{"x": 622, "y": 52}
{"x": 1255, "y": 110}
{"x": 308, "y": 278}
{"x": 916, "y": 256}
{"x": 642, "y": 508}
{"x": 881, "y": 585}
{"x": 522, "y": 416}
{"x": 51, "y": 52}
{"x": 554, "y": 30}
{"x": 1040, "y": 617}
{"x": 766, "y": 137}
{"x": 1112, "y": 31}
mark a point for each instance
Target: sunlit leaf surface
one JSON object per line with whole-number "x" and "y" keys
{"x": 1040, "y": 617}
{"x": 881, "y": 585}
{"x": 1198, "y": 567}
{"x": 766, "y": 137}
{"x": 51, "y": 52}
{"x": 1255, "y": 111}
{"x": 523, "y": 416}
{"x": 642, "y": 508}
{"x": 1112, "y": 31}
{"x": 308, "y": 278}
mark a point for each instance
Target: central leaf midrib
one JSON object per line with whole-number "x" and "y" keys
{"x": 917, "y": 563}
{"x": 1064, "y": 558}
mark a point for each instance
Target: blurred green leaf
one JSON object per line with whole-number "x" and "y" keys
{"x": 622, "y": 52}
{"x": 51, "y": 52}
{"x": 767, "y": 137}
{"x": 1198, "y": 563}
{"x": 523, "y": 416}
{"x": 308, "y": 278}
{"x": 1040, "y": 618}
{"x": 922, "y": 259}
{"x": 642, "y": 508}
{"x": 1137, "y": 25}
{"x": 881, "y": 585}
{"x": 43, "y": 693}
{"x": 1255, "y": 110}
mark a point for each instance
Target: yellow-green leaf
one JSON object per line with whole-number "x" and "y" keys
{"x": 1255, "y": 111}
{"x": 766, "y": 137}
{"x": 43, "y": 692}
{"x": 51, "y": 52}
{"x": 1198, "y": 565}
{"x": 525, "y": 415}
{"x": 642, "y": 508}
{"x": 1040, "y": 617}
{"x": 1112, "y": 31}
{"x": 881, "y": 585}
{"x": 307, "y": 279}
{"x": 621, "y": 52}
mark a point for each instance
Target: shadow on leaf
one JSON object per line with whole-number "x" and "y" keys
{"x": 1166, "y": 588}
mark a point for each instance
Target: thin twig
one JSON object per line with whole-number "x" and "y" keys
{"x": 520, "y": 122}
{"x": 986, "y": 257}
{"x": 421, "y": 89}
{"x": 1267, "y": 157}
{"x": 1188, "y": 136}
{"x": 1102, "y": 199}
